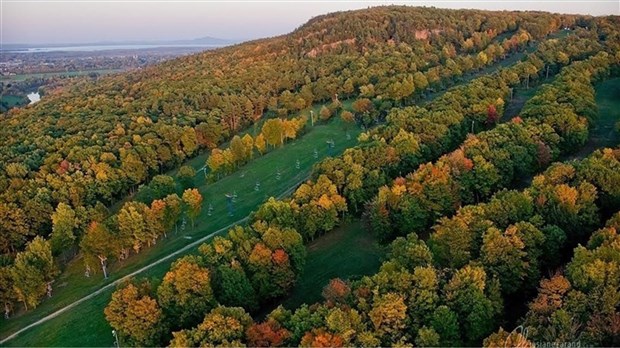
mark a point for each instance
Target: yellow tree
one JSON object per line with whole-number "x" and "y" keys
{"x": 272, "y": 129}
{"x": 289, "y": 127}
{"x": 193, "y": 201}
{"x": 135, "y": 315}
{"x": 237, "y": 147}
{"x": 260, "y": 143}
{"x": 248, "y": 143}
{"x": 216, "y": 161}
{"x": 185, "y": 292}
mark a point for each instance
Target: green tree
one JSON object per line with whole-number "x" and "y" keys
{"x": 64, "y": 224}
{"x": 98, "y": 246}
{"x": 187, "y": 176}
{"x": 161, "y": 186}
{"x": 172, "y": 214}
{"x": 445, "y": 323}
{"x": 131, "y": 224}
{"x": 14, "y": 231}
{"x": 233, "y": 288}
{"x": 32, "y": 271}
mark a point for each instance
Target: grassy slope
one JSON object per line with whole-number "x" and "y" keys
{"x": 603, "y": 133}
{"x": 348, "y": 252}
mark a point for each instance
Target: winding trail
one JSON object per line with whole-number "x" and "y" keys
{"x": 143, "y": 269}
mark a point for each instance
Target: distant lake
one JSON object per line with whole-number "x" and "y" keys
{"x": 34, "y": 97}
{"x": 100, "y": 48}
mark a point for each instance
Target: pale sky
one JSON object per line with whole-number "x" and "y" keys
{"x": 82, "y": 21}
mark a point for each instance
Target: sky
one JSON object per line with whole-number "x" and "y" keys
{"x": 88, "y": 21}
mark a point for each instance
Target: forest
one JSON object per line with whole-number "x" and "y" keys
{"x": 492, "y": 219}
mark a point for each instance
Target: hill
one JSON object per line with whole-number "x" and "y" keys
{"x": 88, "y": 144}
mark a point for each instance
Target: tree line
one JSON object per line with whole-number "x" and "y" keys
{"x": 552, "y": 123}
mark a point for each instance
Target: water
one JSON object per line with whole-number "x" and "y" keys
{"x": 91, "y": 48}
{"x": 34, "y": 97}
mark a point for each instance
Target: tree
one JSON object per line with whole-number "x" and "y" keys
{"x": 424, "y": 296}
{"x": 161, "y": 186}
{"x": 154, "y": 217}
{"x": 321, "y": 338}
{"x": 233, "y": 288}
{"x": 492, "y": 116}
{"x": 188, "y": 140}
{"x": 325, "y": 113}
{"x": 135, "y": 315}
{"x": 32, "y": 271}
{"x": 445, "y": 323}
{"x": 513, "y": 256}
{"x": 223, "y": 326}
{"x": 410, "y": 252}
{"x": 185, "y": 293}
{"x": 174, "y": 207}
{"x": 248, "y": 143}
{"x": 8, "y": 297}
{"x": 347, "y": 117}
{"x": 466, "y": 297}
{"x": 361, "y": 106}
{"x": 14, "y": 231}
{"x": 100, "y": 244}
{"x": 193, "y": 201}
{"x": 237, "y": 147}
{"x": 290, "y": 128}
{"x": 217, "y": 161}
{"x": 421, "y": 83}
{"x": 266, "y": 334}
{"x": 336, "y": 292}
{"x": 427, "y": 337}
{"x": 64, "y": 223}
{"x": 259, "y": 142}
{"x": 273, "y": 132}
{"x": 186, "y": 175}
{"x": 132, "y": 166}
{"x": 503, "y": 338}
{"x": 503, "y": 254}
{"x": 209, "y": 133}
{"x": 131, "y": 224}
{"x": 389, "y": 317}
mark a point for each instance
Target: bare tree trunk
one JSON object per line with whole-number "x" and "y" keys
{"x": 104, "y": 268}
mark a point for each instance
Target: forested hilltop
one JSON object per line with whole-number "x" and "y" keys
{"x": 66, "y": 161}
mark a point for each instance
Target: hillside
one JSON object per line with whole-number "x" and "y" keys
{"x": 88, "y": 145}
{"x": 94, "y": 140}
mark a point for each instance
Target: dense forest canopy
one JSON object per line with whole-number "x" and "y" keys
{"x": 423, "y": 170}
